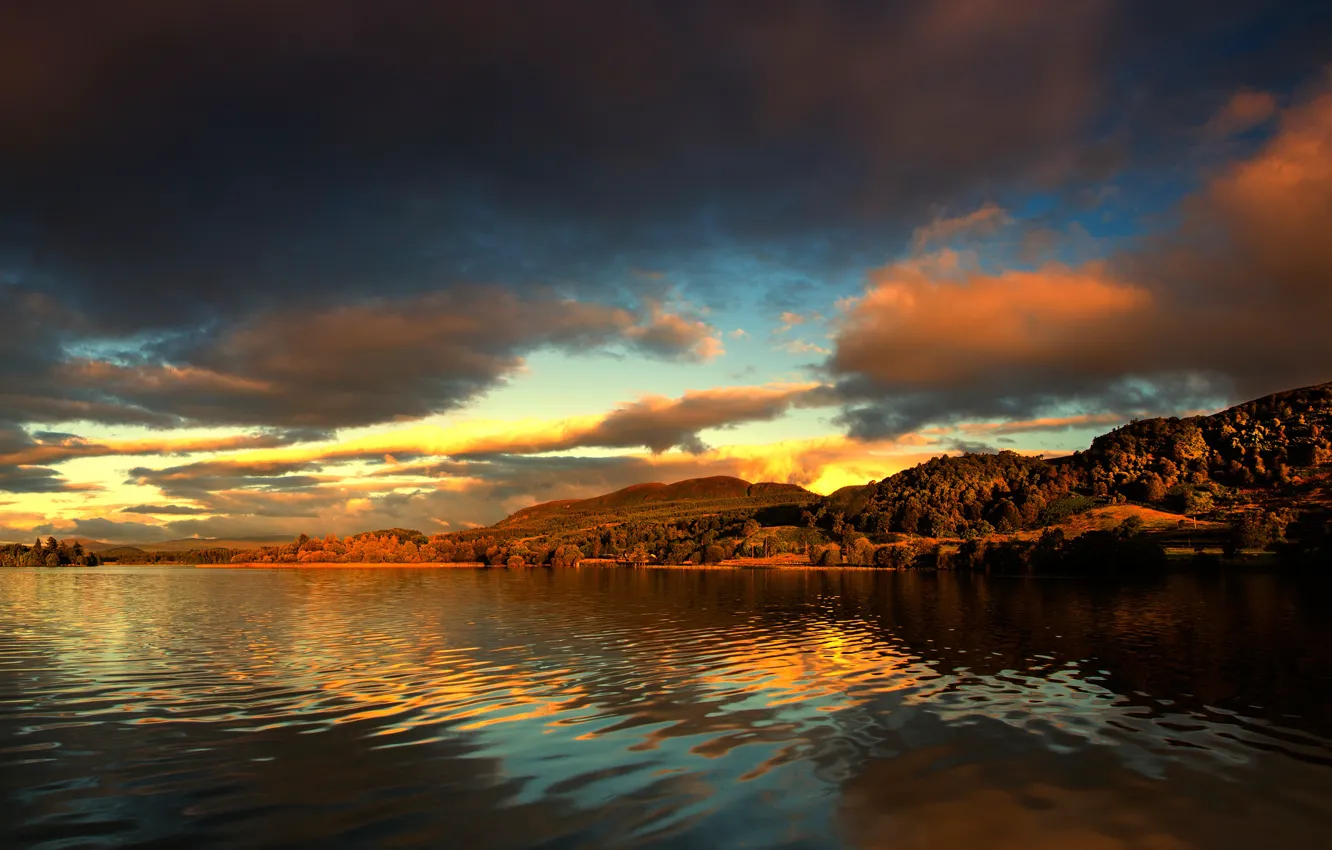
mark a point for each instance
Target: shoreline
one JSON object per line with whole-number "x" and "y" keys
{"x": 592, "y": 563}
{"x": 327, "y": 565}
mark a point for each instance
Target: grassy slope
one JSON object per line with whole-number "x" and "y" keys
{"x": 716, "y": 487}
{"x": 1109, "y": 517}
{"x": 683, "y": 500}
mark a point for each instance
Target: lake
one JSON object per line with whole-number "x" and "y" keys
{"x": 605, "y": 707}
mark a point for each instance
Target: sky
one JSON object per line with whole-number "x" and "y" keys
{"x": 279, "y": 267}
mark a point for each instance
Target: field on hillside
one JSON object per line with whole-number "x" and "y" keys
{"x": 1110, "y": 517}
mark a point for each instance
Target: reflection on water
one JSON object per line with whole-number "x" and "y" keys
{"x": 610, "y": 707}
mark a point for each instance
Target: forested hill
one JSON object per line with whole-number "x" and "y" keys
{"x": 1272, "y": 452}
{"x": 958, "y": 496}
{"x": 1261, "y": 443}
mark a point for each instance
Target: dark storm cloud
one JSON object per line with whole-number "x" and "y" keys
{"x": 20, "y": 448}
{"x": 178, "y": 179}
{"x": 32, "y": 350}
{"x": 197, "y": 480}
{"x": 375, "y": 360}
{"x": 27, "y": 477}
{"x": 100, "y": 528}
{"x": 321, "y": 367}
{"x": 32, "y": 479}
{"x": 175, "y": 161}
{"x": 23, "y": 455}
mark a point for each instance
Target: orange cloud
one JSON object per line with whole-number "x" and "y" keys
{"x": 375, "y": 360}
{"x": 668, "y": 332}
{"x": 1248, "y": 271}
{"x": 1245, "y": 110}
{"x": 163, "y": 378}
{"x": 75, "y": 447}
{"x": 1234, "y": 301}
{"x": 1278, "y": 205}
{"x": 928, "y": 322}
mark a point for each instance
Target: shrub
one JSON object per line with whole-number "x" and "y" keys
{"x": 1131, "y": 526}
{"x": 826, "y": 556}
{"x": 860, "y": 552}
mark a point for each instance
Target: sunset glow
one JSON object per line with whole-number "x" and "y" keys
{"x": 819, "y": 266}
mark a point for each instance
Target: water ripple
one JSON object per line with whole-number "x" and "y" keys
{"x": 640, "y": 707}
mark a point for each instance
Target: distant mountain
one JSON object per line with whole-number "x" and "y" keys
{"x": 716, "y": 487}
{"x": 123, "y": 555}
{"x": 192, "y": 543}
{"x": 183, "y": 544}
{"x": 682, "y": 499}
{"x": 88, "y": 544}
{"x": 187, "y": 550}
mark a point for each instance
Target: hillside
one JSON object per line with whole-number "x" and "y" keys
{"x": 1254, "y": 477}
{"x": 1260, "y": 443}
{"x": 1111, "y": 517}
{"x": 691, "y": 498}
{"x": 693, "y": 489}
{"x": 1263, "y": 462}
{"x": 88, "y": 544}
{"x": 954, "y": 496}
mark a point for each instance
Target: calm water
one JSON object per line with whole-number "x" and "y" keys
{"x": 600, "y": 707}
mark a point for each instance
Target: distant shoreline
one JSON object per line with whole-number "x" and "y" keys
{"x": 757, "y": 563}
{"x": 328, "y": 565}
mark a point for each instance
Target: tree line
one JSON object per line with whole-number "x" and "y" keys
{"x": 1257, "y": 466}
{"x": 51, "y": 553}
